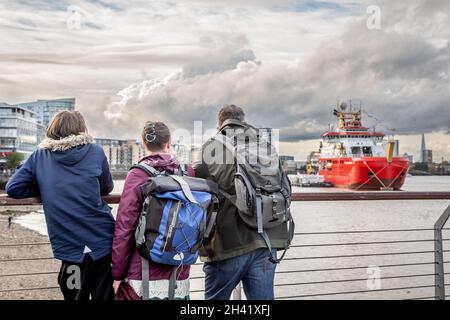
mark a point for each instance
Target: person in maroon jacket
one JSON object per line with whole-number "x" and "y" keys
{"x": 126, "y": 261}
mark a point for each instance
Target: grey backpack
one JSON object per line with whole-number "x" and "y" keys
{"x": 263, "y": 190}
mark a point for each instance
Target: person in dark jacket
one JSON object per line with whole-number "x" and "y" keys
{"x": 235, "y": 252}
{"x": 70, "y": 174}
{"x": 126, "y": 260}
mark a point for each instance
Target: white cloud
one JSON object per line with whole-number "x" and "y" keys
{"x": 286, "y": 62}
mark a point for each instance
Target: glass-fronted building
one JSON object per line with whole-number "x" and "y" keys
{"x": 19, "y": 131}
{"x": 46, "y": 109}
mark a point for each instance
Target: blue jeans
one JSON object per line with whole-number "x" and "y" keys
{"x": 254, "y": 269}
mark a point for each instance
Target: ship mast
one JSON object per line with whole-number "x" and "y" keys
{"x": 348, "y": 120}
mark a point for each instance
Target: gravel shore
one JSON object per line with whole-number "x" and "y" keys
{"x": 43, "y": 280}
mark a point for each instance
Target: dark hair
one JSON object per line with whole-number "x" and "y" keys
{"x": 230, "y": 111}
{"x": 155, "y": 135}
{"x": 66, "y": 123}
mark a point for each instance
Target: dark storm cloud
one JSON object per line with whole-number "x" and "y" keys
{"x": 401, "y": 79}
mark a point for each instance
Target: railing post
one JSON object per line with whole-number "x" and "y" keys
{"x": 237, "y": 293}
{"x": 439, "y": 255}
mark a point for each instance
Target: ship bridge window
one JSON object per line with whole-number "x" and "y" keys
{"x": 356, "y": 151}
{"x": 362, "y": 151}
{"x": 367, "y": 151}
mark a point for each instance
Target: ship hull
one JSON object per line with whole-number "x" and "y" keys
{"x": 365, "y": 173}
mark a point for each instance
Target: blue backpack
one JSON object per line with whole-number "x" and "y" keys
{"x": 178, "y": 213}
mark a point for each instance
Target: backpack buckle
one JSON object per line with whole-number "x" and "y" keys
{"x": 274, "y": 207}
{"x": 215, "y": 204}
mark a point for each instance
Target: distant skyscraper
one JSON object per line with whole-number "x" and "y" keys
{"x": 46, "y": 109}
{"x": 426, "y": 155}
{"x": 422, "y": 149}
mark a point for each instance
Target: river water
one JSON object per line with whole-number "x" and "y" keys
{"x": 380, "y": 281}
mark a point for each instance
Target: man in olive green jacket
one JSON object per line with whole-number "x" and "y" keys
{"x": 235, "y": 252}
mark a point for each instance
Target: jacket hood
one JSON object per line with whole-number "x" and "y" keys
{"x": 66, "y": 143}
{"x": 162, "y": 161}
{"x": 69, "y": 150}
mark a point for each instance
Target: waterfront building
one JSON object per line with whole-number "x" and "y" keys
{"x": 134, "y": 152}
{"x": 187, "y": 153}
{"x": 46, "y": 109}
{"x": 196, "y": 154}
{"x": 19, "y": 131}
{"x": 428, "y": 156}
{"x": 113, "y": 151}
{"x": 409, "y": 157}
{"x": 286, "y": 158}
{"x": 121, "y": 154}
{"x": 182, "y": 152}
{"x": 290, "y": 166}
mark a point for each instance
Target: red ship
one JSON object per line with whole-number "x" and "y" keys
{"x": 355, "y": 157}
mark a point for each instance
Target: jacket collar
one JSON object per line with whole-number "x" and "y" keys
{"x": 233, "y": 122}
{"x": 66, "y": 143}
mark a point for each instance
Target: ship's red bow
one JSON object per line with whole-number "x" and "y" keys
{"x": 366, "y": 173}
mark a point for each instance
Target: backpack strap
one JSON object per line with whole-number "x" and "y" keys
{"x": 140, "y": 239}
{"x": 185, "y": 188}
{"x": 152, "y": 172}
{"x": 229, "y": 197}
{"x": 266, "y": 239}
{"x": 228, "y": 143}
{"x": 263, "y": 233}
{"x": 172, "y": 284}
{"x": 259, "y": 205}
{"x": 291, "y": 232}
{"x": 184, "y": 169}
{"x": 145, "y": 279}
{"x": 207, "y": 225}
{"x": 181, "y": 170}
{"x": 211, "y": 223}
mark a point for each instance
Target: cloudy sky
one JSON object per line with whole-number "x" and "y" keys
{"x": 286, "y": 62}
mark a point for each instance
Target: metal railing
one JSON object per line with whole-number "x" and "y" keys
{"x": 424, "y": 259}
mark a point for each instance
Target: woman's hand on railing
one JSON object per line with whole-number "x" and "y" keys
{"x": 116, "y": 285}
